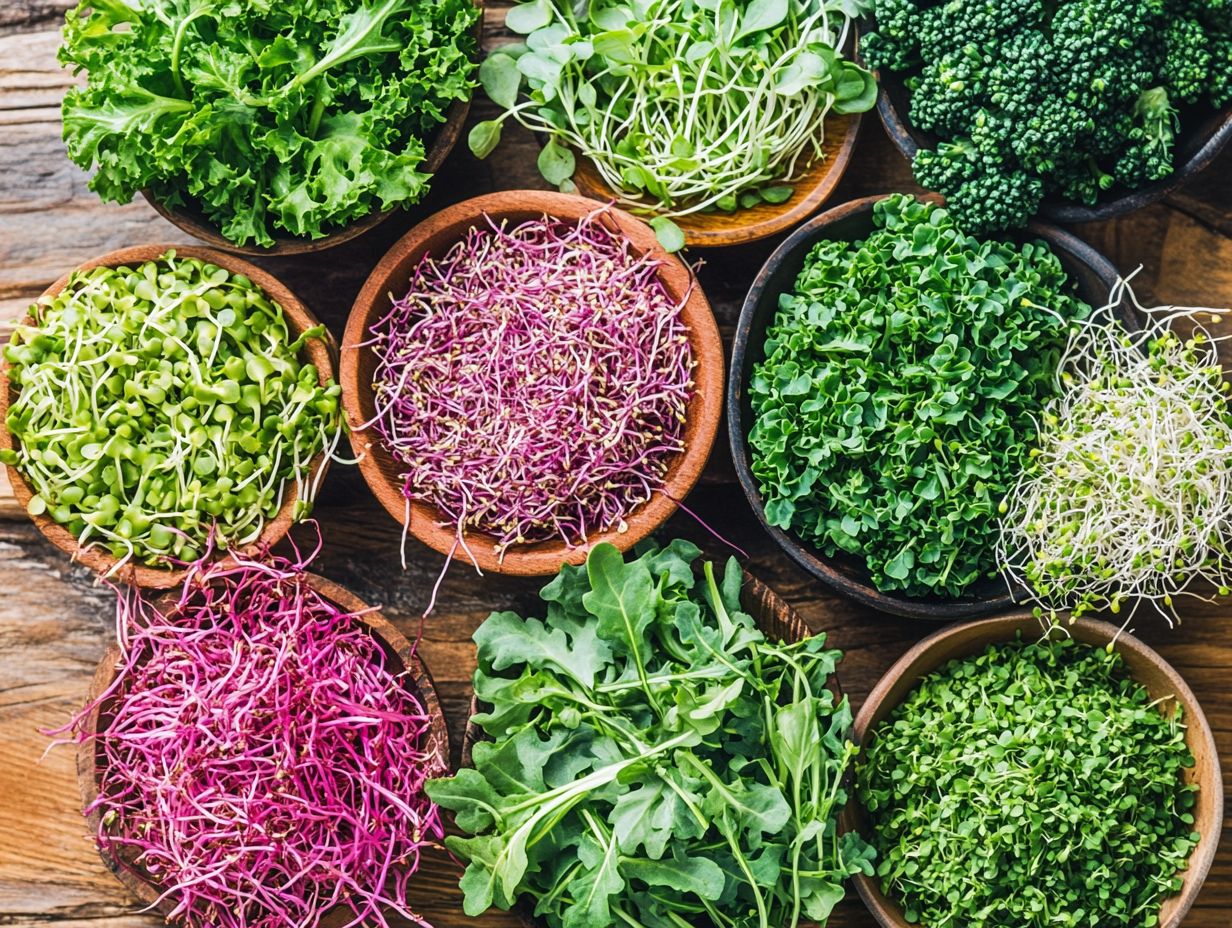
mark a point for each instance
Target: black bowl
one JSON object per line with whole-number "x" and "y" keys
{"x": 1094, "y": 276}
{"x": 1199, "y": 142}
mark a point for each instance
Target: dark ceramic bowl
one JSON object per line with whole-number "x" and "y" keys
{"x": 1200, "y": 140}
{"x": 1093, "y": 275}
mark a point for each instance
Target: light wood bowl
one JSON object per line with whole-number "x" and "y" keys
{"x": 192, "y": 220}
{"x": 1145, "y": 666}
{"x": 716, "y": 229}
{"x": 320, "y": 352}
{"x": 398, "y": 651}
{"x": 392, "y": 275}
{"x": 773, "y": 615}
{"x": 1201, "y": 139}
{"x": 1093, "y": 276}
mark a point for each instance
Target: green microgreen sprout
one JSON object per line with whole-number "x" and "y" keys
{"x": 1129, "y": 499}
{"x": 164, "y": 407}
{"x": 1034, "y": 784}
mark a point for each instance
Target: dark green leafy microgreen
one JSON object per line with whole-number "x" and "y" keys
{"x": 897, "y": 400}
{"x": 1066, "y": 98}
{"x": 655, "y": 760}
{"x": 272, "y": 118}
{"x": 680, "y": 105}
{"x": 1033, "y": 785}
{"x": 164, "y": 407}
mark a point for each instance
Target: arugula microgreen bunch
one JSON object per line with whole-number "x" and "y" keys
{"x": 164, "y": 407}
{"x": 898, "y": 397}
{"x": 1130, "y": 496}
{"x": 1032, "y": 785}
{"x": 681, "y": 105}
{"x": 292, "y": 117}
{"x": 655, "y": 759}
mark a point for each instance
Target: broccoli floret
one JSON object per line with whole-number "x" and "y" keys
{"x": 1187, "y": 59}
{"x": 1056, "y": 97}
{"x": 1148, "y": 157}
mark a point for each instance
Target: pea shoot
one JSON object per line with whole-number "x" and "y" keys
{"x": 164, "y": 407}
{"x": 1034, "y": 784}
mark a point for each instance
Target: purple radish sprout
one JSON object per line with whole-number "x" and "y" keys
{"x": 534, "y": 381}
{"x": 261, "y": 762}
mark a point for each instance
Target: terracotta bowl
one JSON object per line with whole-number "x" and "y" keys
{"x": 773, "y": 615}
{"x": 1198, "y": 143}
{"x": 434, "y": 236}
{"x": 813, "y": 187}
{"x": 1143, "y": 664}
{"x": 192, "y": 220}
{"x": 1093, "y": 276}
{"x": 319, "y": 351}
{"x": 398, "y": 652}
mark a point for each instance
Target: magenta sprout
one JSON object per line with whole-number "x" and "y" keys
{"x": 533, "y": 381}
{"x": 261, "y": 760}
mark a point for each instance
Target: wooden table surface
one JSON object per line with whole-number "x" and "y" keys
{"x": 54, "y": 623}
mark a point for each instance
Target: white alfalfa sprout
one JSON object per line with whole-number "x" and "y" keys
{"x": 1129, "y": 496}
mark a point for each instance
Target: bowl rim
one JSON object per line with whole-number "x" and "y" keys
{"x": 922, "y": 658}
{"x": 826, "y": 172}
{"x": 320, "y": 352}
{"x": 444, "y": 138}
{"x": 418, "y": 681}
{"x": 807, "y": 556}
{"x": 703, "y": 413}
{"x": 1215, "y": 132}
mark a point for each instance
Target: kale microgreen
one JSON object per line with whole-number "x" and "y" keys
{"x": 1034, "y": 784}
{"x": 655, "y": 759}
{"x": 897, "y": 400}
{"x": 684, "y": 104}
{"x": 272, "y": 118}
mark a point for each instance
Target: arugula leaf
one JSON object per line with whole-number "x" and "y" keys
{"x": 656, "y": 759}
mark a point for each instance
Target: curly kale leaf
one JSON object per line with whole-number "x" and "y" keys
{"x": 271, "y": 118}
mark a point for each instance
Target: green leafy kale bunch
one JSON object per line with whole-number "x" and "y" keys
{"x": 654, "y": 759}
{"x": 898, "y": 398}
{"x": 1067, "y": 98}
{"x": 270, "y": 116}
{"x": 1033, "y": 785}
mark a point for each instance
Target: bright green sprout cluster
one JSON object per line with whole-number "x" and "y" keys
{"x": 1033, "y": 785}
{"x": 694, "y": 106}
{"x": 655, "y": 759}
{"x": 1130, "y": 498}
{"x": 897, "y": 401}
{"x": 1031, "y": 99}
{"x": 160, "y": 404}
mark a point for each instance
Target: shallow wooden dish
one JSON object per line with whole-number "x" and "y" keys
{"x": 397, "y": 648}
{"x": 1198, "y": 143}
{"x": 813, "y": 187}
{"x": 1093, "y": 276}
{"x": 319, "y": 351}
{"x": 773, "y": 615}
{"x": 1144, "y": 665}
{"x": 190, "y": 219}
{"x": 435, "y": 235}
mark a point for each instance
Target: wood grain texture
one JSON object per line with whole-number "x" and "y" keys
{"x": 54, "y": 624}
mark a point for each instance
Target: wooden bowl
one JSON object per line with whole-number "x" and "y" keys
{"x": 319, "y": 351}
{"x": 191, "y": 219}
{"x": 813, "y": 187}
{"x": 1198, "y": 143}
{"x": 1143, "y": 664}
{"x": 398, "y": 651}
{"x": 773, "y": 615}
{"x": 434, "y": 236}
{"x": 1093, "y": 275}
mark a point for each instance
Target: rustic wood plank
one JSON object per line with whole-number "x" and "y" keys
{"x": 54, "y": 622}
